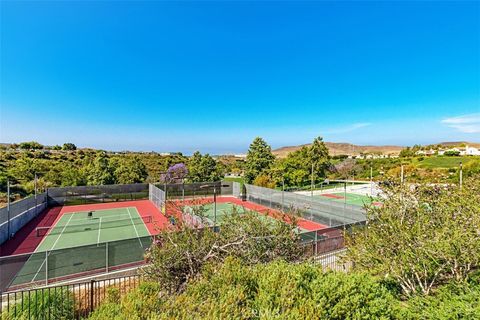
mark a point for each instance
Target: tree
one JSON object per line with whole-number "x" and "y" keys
{"x": 175, "y": 174}
{"x": 265, "y": 181}
{"x": 99, "y": 170}
{"x": 421, "y": 237}
{"x": 294, "y": 169}
{"x": 319, "y": 157}
{"x": 179, "y": 254}
{"x": 31, "y": 145}
{"x": 69, "y": 146}
{"x": 203, "y": 168}
{"x": 194, "y": 167}
{"x": 347, "y": 168}
{"x": 259, "y": 159}
{"x": 129, "y": 170}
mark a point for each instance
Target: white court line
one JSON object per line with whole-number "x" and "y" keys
{"x": 99, "y": 230}
{"x": 54, "y": 244}
{"x": 134, "y": 227}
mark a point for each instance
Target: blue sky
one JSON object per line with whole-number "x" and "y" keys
{"x": 210, "y": 76}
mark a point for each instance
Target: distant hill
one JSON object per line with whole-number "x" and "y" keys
{"x": 340, "y": 148}
{"x": 458, "y": 143}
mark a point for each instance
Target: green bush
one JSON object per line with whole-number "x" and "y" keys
{"x": 53, "y": 304}
{"x": 280, "y": 290}
{"x": 453, "y": 301}
{"x": 141, "y": 303}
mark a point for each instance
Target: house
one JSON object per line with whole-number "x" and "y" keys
{"x": 471, "y": 151}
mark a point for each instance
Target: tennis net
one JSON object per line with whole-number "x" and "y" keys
{"x": 92, "y": 224}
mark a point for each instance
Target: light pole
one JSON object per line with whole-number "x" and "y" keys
{"x": 35, "y": 187}
{"x": 461, "y": 174}
{"x": 371, "y": 181}
{"x": 8, "y": 209}
{"x": 311, "y": 187}
{"x": 401, "y": 174}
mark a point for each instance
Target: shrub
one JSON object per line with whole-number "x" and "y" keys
{"x": 452, "y": 301}
{"x": 422, "y": 237}
{"x": 178, "y": 255}
{"x": 141, "y": 303}
{"x": 283, "y": 291}
{"x": 54, "y": 304}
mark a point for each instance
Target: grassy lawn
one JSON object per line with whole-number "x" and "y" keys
{"x": 235, "y": 179}
{"x": 442, "y": 162}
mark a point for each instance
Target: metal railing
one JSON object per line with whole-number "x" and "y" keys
{"x": 69, "y": 301}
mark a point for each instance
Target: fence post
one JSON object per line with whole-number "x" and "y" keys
{"x": 92, "y": 288}
{"x": 316, "y": 243}
{"x": 106, "y": 256}
{"x": 46, "y": 267}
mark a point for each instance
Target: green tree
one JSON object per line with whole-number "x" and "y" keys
{"x": 130, "y": 170}
{"x": 203, "y": 168}
{"x": 69, "y": 146}
{"x": 31, "y": 145}
{"x": 99, "y": 170}
{"x": 259, "y": 159}
{"x": 319, "y": 157}
{"x": 178, "y": 255}
{"x": 421, "y": 237}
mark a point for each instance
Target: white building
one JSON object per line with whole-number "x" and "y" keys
{"x": 471, "y": 151}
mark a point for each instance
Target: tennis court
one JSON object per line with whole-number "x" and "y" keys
{"x": 85, "y": 241}
{"x": 223, "y": 209}
{"x": 349, "y": 198}
{"x": 304, "y": 228}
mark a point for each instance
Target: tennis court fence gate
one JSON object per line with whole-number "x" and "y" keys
{"x": 157, "y": 197}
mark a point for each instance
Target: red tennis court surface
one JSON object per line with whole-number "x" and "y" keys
{"x": 173, "y": 208}
{"x": 26, "y": 240}
{"x": 333, "y": 196}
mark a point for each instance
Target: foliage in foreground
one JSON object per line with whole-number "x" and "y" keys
{"x": 422, "y": 238}
{"x": 281, "y": 290}
{"x": 452, "y": 301}
{"x": 278, "y": 290}
{"x": 178, "y": 255}
{"x": 54, "y": 304}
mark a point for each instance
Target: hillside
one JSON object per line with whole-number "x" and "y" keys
{"x": 338, "y": 148}
{"x": 343, "y": 148}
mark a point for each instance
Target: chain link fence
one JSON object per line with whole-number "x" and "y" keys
{"x": 157, "y": 197}
{"x": 329, "y": 213}
{"x": 45, "y": 267}
{"x": 196, "y": 189}
{"x": 19, "y": 213}
{"x": 96, "y": 194}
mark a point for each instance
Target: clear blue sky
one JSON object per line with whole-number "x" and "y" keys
{"x": 183, "y": 76}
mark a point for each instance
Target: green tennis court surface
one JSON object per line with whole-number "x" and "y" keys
{"x": 349, "y": 198}
{"x": 227, "y": 208}
{"x": 80, "y": 243}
